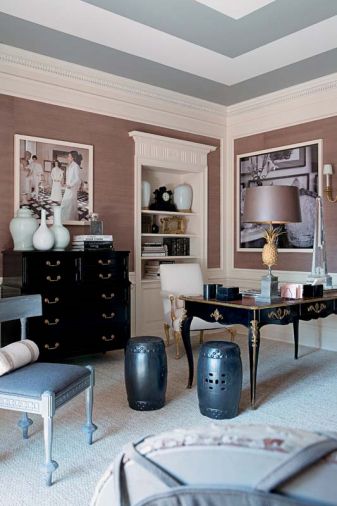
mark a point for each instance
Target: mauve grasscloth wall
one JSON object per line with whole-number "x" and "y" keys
{"x": 325, "y": 129}
{"x": 113, "y": 165}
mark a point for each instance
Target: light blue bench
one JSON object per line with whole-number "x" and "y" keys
{"x": 42, "y": 388}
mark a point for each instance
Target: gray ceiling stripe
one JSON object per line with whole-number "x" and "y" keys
{"x": 296, "y": 73}
{"x": 32, "y": 37}
{"x": 35, "y": 38}
{"x": 189, "y": 20}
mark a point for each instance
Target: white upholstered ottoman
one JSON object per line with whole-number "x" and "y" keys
{"x": 224, "y": 465}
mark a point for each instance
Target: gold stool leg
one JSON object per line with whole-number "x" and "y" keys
{"x": 177, "y": 337}
{"x": 167, "y": 333}
{"x": 201, "y": 338}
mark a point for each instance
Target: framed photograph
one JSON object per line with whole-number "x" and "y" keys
{"x": 173, "y": 225}
{"x": 49, "y": 172}
{"x": 295, "y": 165}
{"x": 47, "y": 165}
{"x": 289, "y": 158}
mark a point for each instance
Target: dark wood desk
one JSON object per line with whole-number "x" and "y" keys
{"x": 254, "y": 315}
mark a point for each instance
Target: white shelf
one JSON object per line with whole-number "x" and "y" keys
{"x": 167, "y": 257}
{"x": 170, "y": 235}
{"x": 166, "y": 162}
{"x": 169, "y": 213}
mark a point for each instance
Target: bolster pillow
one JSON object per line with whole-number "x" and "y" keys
{"x": 17, "y": 354}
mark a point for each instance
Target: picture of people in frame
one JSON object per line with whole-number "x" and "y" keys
{"x": 51, "y": 173}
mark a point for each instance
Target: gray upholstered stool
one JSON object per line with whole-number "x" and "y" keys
{"x": 219, "y": 379}
{"x": 42, "y": 388}
{"x": 146, "y": 373}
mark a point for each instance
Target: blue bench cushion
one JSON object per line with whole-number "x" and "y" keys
{"x": 34, "y": 379}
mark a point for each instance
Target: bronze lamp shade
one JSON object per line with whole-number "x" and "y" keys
{"x": 272, "y": 204}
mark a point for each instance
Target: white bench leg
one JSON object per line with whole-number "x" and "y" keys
{"x": 89, "y": 427}
{"x": 24, "y": 423}
{"x": 50, "y": 465}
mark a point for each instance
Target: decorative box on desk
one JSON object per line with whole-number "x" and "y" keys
{"x": 85, "y": 295}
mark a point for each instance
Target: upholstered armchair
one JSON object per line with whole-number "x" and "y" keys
{"x": 183, "y": 279}
{"x": 39, "y": 388}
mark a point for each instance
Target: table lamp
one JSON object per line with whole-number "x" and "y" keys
{"x": 271, "y": 205}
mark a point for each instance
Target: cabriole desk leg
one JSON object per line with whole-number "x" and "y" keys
{"x": 295, "y": 328}
{"x": 185, "y": 334}
{"x": 254, "y": 345}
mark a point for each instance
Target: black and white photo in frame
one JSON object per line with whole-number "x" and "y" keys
{"x": 51, "y": 172}
{"x": 294, "y": 165}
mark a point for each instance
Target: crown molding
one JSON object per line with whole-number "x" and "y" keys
{"x": 38, "y": 69}
{"x": 319, "y": 86}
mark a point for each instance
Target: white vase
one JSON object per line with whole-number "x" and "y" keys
{"x": 146, "y": 194}
{"x": 22, "y": 229}
{"x": 61, "y": 233}
{"x": 43, "y": 239}
{"x": 182, "y": 197}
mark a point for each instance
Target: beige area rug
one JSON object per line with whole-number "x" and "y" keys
{"x": 291, "y": 393}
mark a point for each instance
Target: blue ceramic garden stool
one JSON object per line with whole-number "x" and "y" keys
{"x": 146, "y": 373}
{"x": 219, "y": 379}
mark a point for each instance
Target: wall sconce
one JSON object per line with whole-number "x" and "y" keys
{"x": 327, "y": 172}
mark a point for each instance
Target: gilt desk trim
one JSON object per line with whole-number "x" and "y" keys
{"x": 253, "y": 315}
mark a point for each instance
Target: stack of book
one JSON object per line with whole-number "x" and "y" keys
{"x": 151, "y": 268}
{"x": 153, "y": 249}
{"x": 177, "y": 246}
{"x": 92, "y": 242}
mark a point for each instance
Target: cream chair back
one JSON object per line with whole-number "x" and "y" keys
{"x": 180, "y": 279}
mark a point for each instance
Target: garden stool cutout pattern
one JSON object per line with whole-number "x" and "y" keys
{"x": 219, "y": 379}
{"x": 146, "y": 373}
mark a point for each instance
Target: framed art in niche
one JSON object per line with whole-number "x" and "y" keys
{"x": 49, "y": 172}
{"x": 294, "y": 165}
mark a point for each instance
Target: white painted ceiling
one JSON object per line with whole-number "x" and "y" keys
{"x": 220, "y": 50}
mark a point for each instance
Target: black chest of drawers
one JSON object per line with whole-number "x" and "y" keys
{"x": 85, "y": 297}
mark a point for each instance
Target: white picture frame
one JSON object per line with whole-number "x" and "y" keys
{"x": 33, "y": 184}
{"x": 299, "y": 164}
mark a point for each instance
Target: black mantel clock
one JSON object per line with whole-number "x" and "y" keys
{"x": 163, "y": 200}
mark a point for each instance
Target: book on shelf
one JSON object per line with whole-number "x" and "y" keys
{"x": 152, "y": 268}
{"x": 155, "y": 248}
{"x": 177, "y": 246}
{"x": 90, "y": 237}
{"x": 92, "y": 245}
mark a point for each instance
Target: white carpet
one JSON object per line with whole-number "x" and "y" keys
{"x": 293, "y": 393}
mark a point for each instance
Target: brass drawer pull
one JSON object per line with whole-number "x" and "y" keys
{"x": 55, "y": 322}
{"x": 56, "y": 264}
{"x": 108, "y": 276}
{"x": 53, "y": 280}
{"x": 111, "y": 338}
{"x": 101, "y": 262}
{"x": 55, "y": 301}
{"x": 108, "y": 297}
{"x": 109, "y": 317}
{"x": 52, "y": 347}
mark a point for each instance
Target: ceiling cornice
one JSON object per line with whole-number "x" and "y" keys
{"x": 321, "y": 85}
{"x": 44, "y": 68}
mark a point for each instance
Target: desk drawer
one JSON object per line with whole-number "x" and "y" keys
{"x": 314, "y": 310}
{"x": 279, "y": 315}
